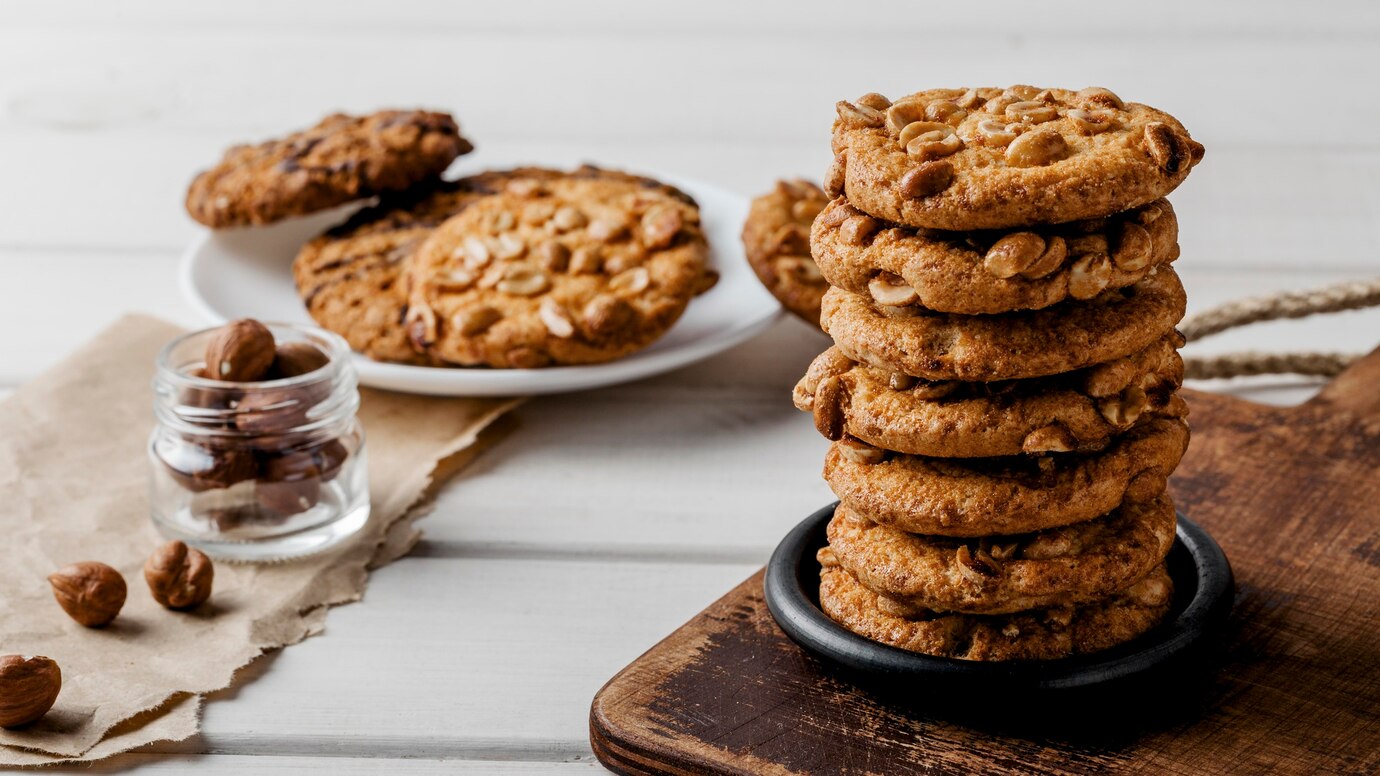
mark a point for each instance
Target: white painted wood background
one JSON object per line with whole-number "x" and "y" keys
{"x": 610, "y": 517}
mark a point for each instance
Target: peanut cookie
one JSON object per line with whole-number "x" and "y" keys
{"x": 1041, "y": 634}
{"x": 1073, "y": 564}
{"x": 1005, "y": 346}
{"x": 579, "y": 269}
{"x": 1077, "y": 411}
{"x": 350, "y": 277}
{"x": 1014, "y": 494}
{"x": 991, "y": 272}
{"x": 963, "y": 159}
{"x": 776, "y": 237}
{"x": 341, "y": 159}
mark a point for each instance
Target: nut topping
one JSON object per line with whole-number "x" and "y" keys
{"x": 803, "y": 268}
{"x": 1013, "y": 254}
{"x": 1160, "y": 143}
{"x": 1031, "y": 111}
{"x": 660, "y": 225}
{"x": 903, "y": 114}
{"x": 979, "y": 568}
{"x": 1053, "y": 438}
{"x": 1036, "y": 148}
{"x": 900, "y": 381}
{"x": 1091, "y": 122}
{"x": 874, "y": 100}
{"x": 997, "y": 133}
{"x": 1098, "y": 97}
{"x": 508, "y": 246}
{"x": 240, "y": 351}
{"x": 633, "y": 281}
{"x": 474, "y": 254}
{"x": 1056, "y": 249}
{"x": 834, "y": 178}
{"x": 930, "y": 140}
{"x": 605, "y": 316}
{"x": 1125, "y": 409}
{"x": 608, "y": 228}
{"x": 858, "y": 229}
{"x": 91, "y": 593}
{"x": 554, "y": 316}
{"x": 1089, "y": 276}
{"x": 179, "y": 577}
{"x": 520, "y": 280}
{"x": 552, "y": 256}
{"x": 859, "y": 451}
{"x": 1133, "y": 247}
{"x": 889, "y": 289}
{"x": 586, "y": 260}
{"x": 929, "y": 178}
{"x": 28, "y": 688}
{"x": 858, "y": 116}
{"x": 829, "y": 399}
{"x": 568, "y": 218}
{"x": 945, "y": 111}
{"x": 470, "y": 321}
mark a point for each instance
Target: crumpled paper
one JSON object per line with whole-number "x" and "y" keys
{"x": 73, "y": 486}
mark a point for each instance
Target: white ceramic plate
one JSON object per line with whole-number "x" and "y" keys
{"x": 247, "y": 273}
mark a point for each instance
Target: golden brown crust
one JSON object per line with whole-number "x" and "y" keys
{"x": 945, "y": 346}
{"x": 1063, "y": 413}
{"x": 341, "y": 159}
{"x": 776, "y": 238}
{"x": 1042, "y": 634}
{"x": 1073, "y": 564}
{"x": 350, "y": 277}
{"x": 993, "y": 272}
{"x": 1000, "y": 159}
{"x": 579, "y": 269}
{"x": 985, "y": 496}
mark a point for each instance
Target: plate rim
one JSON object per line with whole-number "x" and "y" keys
{"x": 806, "y": 624}
{"x": 481, "y": 382}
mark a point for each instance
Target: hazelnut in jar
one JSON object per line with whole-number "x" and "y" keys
{"x": 267, "y": 465}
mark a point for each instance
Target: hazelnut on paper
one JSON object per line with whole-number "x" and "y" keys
{"x": 28, "y": 688}
{"x": 179, "y": 577}
{"x": 91, "y": 592}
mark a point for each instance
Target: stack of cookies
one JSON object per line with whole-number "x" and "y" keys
{"x": 1001, "y": 391}
{"x": 518, "y": 268}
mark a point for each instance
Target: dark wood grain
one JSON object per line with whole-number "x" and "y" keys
{"x": 1291, "y": 494}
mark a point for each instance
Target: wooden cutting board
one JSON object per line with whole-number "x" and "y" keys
{"x": 1292, "y": 495}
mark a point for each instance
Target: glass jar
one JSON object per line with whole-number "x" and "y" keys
{"x": 258, "y": 471}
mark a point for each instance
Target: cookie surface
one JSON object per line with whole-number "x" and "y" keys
{"x": 776, "y": 238}
{"x": 579, "y": 269}
{"x": 1014, "y": 494}
{"x": 1042, "y": 634}
{"x": 1077, "y": 411}
{"x": 991, "y": 272}
{"x": 963, "y": 159}
{"x": 1034, "y": 343}
{"x": 1075, "y": 564}
{"x": 341, "y": 159}
{"x": 350, "y": 277}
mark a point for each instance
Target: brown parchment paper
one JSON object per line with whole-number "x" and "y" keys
{"x": 73, "y": 487}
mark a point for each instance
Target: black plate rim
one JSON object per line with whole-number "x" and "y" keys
{"x": 792, "y": 607}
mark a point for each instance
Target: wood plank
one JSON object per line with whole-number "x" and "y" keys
{"x": 270, "y": 765}
{"x": 472, "y": 659}
{"x": 1289, "y": 495}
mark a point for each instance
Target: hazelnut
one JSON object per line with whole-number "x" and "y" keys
{"x": 28, "y": 687}
{"x": 179, "y": 577}
{"x": 288, "y": 498}
{"x": 91, "y": 593}
{"x": 240, "y": 351}
{"x": 297, "y": 358}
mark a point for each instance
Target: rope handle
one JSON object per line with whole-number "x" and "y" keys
{"x": 1350, "y": 295}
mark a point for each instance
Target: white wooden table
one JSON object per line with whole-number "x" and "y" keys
{"x": 610, "y": 517}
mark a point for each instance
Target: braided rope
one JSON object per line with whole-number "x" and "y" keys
{"x": 1351, "y": 295}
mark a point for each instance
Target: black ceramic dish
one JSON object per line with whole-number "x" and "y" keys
{"x": 1203, "y": 592}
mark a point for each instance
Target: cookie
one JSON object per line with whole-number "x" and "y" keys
{"x": 776, "y": 238}
{"x": 579, "y": 269}
{"x": 1041, "y": 634}
{"x": 1074, "y": 564}
{"x": 1015, "y": 494}
{"x": 350, "y": 277}
{"x": 995, "y": 271}
{"x": 965, "y": 159}
{"x": 1077, "y": 411}
{"x": 341, "y": 159}
{"x": 1005, "y": 346}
